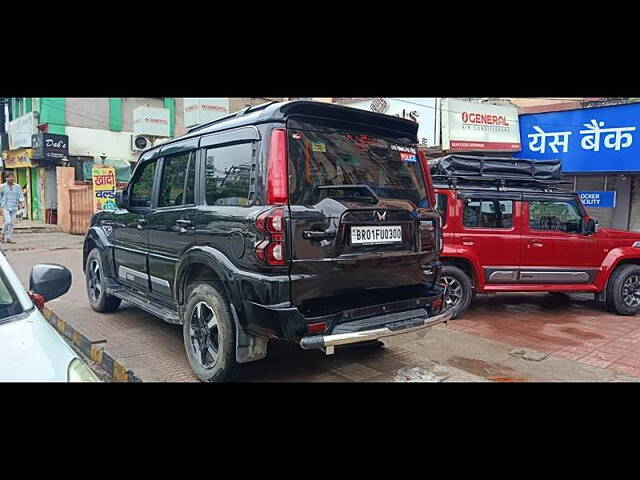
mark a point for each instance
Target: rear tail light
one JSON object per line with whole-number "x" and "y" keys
{"x": 317, "y": 327}
{"x": 277, "y": 171}
{"x": 271, "y": 251}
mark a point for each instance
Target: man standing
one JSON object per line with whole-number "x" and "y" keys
{"x": 11, "y": 200}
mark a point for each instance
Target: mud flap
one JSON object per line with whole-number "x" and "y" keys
{"x": 249, "y": 348}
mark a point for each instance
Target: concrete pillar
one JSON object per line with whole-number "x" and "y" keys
{"x": 623, "y": 202}
{"x": 65, "y": 178}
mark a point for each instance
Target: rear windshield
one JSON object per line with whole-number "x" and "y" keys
{"x": 352, "y": 166}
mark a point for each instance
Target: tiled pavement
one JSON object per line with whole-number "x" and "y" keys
{"x": 574, "y": 328}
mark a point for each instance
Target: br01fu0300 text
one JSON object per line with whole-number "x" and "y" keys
{"x": 372, "y": 235}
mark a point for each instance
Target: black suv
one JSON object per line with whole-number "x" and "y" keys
{"x": 298, "y": 221}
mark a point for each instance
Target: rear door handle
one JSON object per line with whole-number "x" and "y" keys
{"x": 141, "y": 223}
{"x": 314, "y": 235}
{"x": 183, "y": 225}
{"x": 468, "y": 241}
{"x": 535, "y": 243}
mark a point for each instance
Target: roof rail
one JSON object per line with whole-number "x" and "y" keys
{"x": 232, "y": 115}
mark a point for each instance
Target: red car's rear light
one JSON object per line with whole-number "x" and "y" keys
{"x": 428, "y": 183}
{"x": 271, "y": 251}
{"x": 277, "y": 171}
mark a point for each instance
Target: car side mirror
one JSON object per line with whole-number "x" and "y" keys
{"x": 49, "y": 280}
{"x": 122, "y": 199}
{"x": 590, "y": 226}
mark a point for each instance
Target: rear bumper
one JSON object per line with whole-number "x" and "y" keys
{"x": 329, "y": 341}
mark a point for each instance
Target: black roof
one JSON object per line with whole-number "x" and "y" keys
{"x": 280, "y": 111}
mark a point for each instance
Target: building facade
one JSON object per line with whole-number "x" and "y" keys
{"x": 107, "y": 131}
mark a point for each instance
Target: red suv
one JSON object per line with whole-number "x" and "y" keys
{"x": 508, "y": 227}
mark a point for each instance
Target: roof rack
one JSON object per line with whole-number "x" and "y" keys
{"x": 232, "y": 115}
{"x": 471, "y": 171}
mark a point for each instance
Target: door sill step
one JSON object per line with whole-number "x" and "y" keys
{"x": 167, "y": 314}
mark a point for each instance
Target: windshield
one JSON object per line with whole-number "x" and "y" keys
{"x": 9, "y": 303}
{"x": 352, "y": 166}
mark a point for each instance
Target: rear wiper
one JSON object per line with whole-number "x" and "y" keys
{"x": 374, "y": 197}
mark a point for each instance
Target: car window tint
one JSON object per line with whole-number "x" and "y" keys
{"x": 173, "y": 180}
{"x": 488, "y": 213}
{"x": 143, "y": 186}
{"x": 228, "y": 174}
{"x": 560, "y": 216}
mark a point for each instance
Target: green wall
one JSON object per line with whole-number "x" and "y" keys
{"x": 115, "y": 114}
{"x": 52, "y": 112}
{"x": 170, "y": 103}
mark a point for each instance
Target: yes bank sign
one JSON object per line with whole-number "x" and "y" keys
{"x": 602, "y": 139}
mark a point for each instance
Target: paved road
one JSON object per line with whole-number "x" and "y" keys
{"x": 573, "y": 336}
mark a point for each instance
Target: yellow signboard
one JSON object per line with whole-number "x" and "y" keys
{"x": 19, "y": 158}
{"x": 104, "y": 188}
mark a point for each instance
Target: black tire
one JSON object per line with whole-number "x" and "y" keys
{"x": 621, "y": 290}
{"x": 460, "y": 292}
{"x": 211, "y": 350}
{"x": 99, "y": 299}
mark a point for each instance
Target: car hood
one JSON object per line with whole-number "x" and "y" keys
{"x": 32, "y": 351}
{"x": 622, "y": 234}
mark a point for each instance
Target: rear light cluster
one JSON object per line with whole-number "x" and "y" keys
{"x": 271, "y": 251}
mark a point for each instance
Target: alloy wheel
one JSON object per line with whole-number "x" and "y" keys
{"x": 454, "y": 292}
{"x": 95, "y": 280}
{"x": 631, "y": 291}
{"x": 204, "y": 335}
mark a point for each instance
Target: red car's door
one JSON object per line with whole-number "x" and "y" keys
{"x": 489, "y": 231}
{"x": 554, "y": 249}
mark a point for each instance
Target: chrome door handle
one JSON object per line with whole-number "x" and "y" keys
{"x": 314, "y": 235}
{"x": 183, "y": 225}
{"x": 141, "y": 224}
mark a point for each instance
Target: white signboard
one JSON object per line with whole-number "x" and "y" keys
{"x": 469, "y": 126}
{"x": 20, "y": 131}
{"x": 152, "y": 121}
{"x": 203, "y": 110}
{"x": 420, "y": 110}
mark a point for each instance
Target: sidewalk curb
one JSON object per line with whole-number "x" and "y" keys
{"x": 94, "y": 351}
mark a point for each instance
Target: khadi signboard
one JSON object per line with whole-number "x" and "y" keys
{"x": 470, "y": 126}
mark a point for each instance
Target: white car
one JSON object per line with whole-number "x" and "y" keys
{"x": 31, "y": 350}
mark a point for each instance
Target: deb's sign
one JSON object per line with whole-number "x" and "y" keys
{"x": 20, "y": 131}
{"x": 49, "y": 146}
{"x": 203, "y": 110}
{"x": 470, "y": 126}
{"x": 151, "y": 121}
{"x": 598, "y": 199}
{"x": 602, "y": 139}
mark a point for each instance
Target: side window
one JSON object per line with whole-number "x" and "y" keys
{"x": 441, "y": 206}
{"x": 560, "y": 216}
{"x": 172, "y": 185}
{"x": 488, "y": 213}
{"x": 228, "y": 174}
{"x": 142, "y": 187}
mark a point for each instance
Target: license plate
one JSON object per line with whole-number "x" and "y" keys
{"x": 376, "y": 235}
